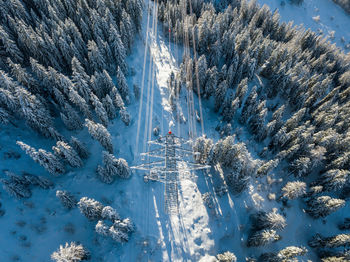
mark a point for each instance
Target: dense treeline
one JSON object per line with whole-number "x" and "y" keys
{"x": 300, "y": 115}
{"x": 58, "y": 59}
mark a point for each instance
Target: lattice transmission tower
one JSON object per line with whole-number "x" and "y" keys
{"x": 171, "y": 152}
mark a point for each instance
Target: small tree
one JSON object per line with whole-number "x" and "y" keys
{"x": 262, "y": 238}
{"x": 91, "y": 208}
{"x": 293, "y": 190}
{"x": 110, "y": 213}
{"x": 66, "y": 198}
{"x": 65, "y": 151}
{"x": 226, "y": 257}
{"x": 79, "y": 147}
{"x": 46, "y": 159}
{"x": 273, "y": 220}
{"x": 201, "y": 149}
{"x": 70, "y": 253}
{"x": 101, "y": 134}
{"x": 323, "y": 206}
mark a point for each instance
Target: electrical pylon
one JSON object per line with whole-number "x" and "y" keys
{"x": 170, "y": 151}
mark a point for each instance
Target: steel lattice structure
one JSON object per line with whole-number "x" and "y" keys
{"x": 170, "y": 151}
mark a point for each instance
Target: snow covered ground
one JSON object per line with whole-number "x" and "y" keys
{"x": 319, "y": 15}
{"x": 32, "y": 229}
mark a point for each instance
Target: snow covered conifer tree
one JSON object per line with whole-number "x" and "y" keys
{"x": 109, "y": 106}
{"x": 323, "y": 206}
{"x": 293, "y": 190}
{"x": 202, "y": 148}
{"x": 96, "y": 58}
{"x": 334, "y": 179}
{"x": 80, "y": 79}
{"x": 66, "y": 198}
{"x": 112, "y": 168}
{"x": 46, "y": 159}
{"x": 79, "y": 147}
{"x": 117, "y": 48}
{"x": 262, "y": 238}
{"x": 220, "y": 93}
{"x": 249, "y": 106}
{"x": 117, "y": 235}
{"x": 91, "y": 208}
{"x": 16, "y": 188}
{"x": 226, "y": 257}
{"x": 229, "y": 109}
{"x": 65, "y": 151}
{"x": 345, "y": 225}
{"x": 101, "y": 134}
{"x": 71, "y": 253}
{"x": 110, "y": 213}
{"x": 287, "y": 254}
{"x": 341, "y": 240}
{"x": 264, "y": 169}
{"x": 101, "y": 228}
{"x": 99, "y": 109}
{"x": 71, "y": 118}
{"x": 124, "y": 225}
{"x": 122, "y": 85}
{"x": 124, "y": 116}
{"x": 272, "y": 220}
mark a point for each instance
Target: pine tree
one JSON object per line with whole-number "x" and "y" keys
{"x": 249, "y": 106}
{"x": 16, "y": 186}
{"x": 117, "y": 48}
{"x": 91, "y": 208}
{"x": 201, "y": 149}
{"x": 262, "y": 238}
{"x": 71, "y": 253}
{"x": 46, "y": 159}
{"x": 99, "y": 109}
{"x": 341, "y": 240}
{"x": 122, "y": 85}
{"x": 101, "y": 134}
{"x": 124, "y": 116}
{"x": 70, "y": 118}
{"x": 80, "y": 79}
{"x": 226, "y": 257}
{"x": 110, "y": 213}
{"x": 220, "y": 93}
{"x": 65, "y": 151}
{"x": 101, "y": 228}
{"x": 293, "y": 190}
{"x": 109, "y": 106}
{"x": 264, "y": 169}
{"x": 334, "y": 179}
{"x": 79, "y": 147}
{"x": 323, "y": 206}
{"x": 272, "y": 220}
{"x": 66, "y": 199}
{"x": 96, "y": 59}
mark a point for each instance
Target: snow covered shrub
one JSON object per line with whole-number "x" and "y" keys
{"x": 79, "y": 147}
{"x": 65, "y": 151}
{"x": 262, "y": 238}
{"x": 46, "y": 159}
{"x": 110, "y": 213}
{"x": 66, "y": 198}
{"x": 226, "y": 257}
{"x": 293, "y": 190}
{"x": 201, "y": 149}
{"x": 272, "y": 220}
{"x": 101, "y": 134}
{"x": 323, "y": 206}
{"x": 91, "y": 208}
{"x": 70, "y": 253}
